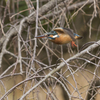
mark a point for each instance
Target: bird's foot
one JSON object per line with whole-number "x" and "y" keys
{"x": 73, "y": 44}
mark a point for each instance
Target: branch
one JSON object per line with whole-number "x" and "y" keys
{"x": 62, "y": 65}
{"x": 93, "y": 46}
{"x": 26, "y": 21}
{"x": 71, "y": 7}
{"x": 44, "y": 9}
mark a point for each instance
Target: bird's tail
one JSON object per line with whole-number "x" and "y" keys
{"x": 77, "y": 36}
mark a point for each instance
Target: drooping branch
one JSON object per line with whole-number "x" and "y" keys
{"x": 31, "y": 18}
{"x": 91, "y": 47}
{"x": 14, "y": 30}
{"x": 62, "y": 65}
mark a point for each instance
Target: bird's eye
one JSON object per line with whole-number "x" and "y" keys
{"x": 48, "y": 34}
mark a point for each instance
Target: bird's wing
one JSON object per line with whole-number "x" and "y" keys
{"x": 66, "y": 31}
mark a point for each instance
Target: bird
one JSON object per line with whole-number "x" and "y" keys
{"x": 61, "y": 36}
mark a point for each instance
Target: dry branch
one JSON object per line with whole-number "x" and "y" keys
{"x": 32, "y": 17}
{"x": 95, "y": 45}
{"x": 62, "y": 65}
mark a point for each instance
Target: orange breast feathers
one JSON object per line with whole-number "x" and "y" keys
{"x": 62, "y": 39}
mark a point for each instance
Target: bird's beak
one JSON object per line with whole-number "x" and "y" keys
{"x": 41, "y": 36}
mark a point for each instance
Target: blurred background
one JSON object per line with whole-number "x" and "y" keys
{"x": 25, "y": 60}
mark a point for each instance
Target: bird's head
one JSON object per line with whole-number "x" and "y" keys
{"x": 50, "y": 35}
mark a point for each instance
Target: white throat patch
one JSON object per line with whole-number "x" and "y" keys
{"x": 55, "y": 36}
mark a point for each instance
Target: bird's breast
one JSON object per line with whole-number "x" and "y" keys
{"x": 62, "y": 39}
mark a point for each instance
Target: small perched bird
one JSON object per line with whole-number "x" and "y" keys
{"x": 61, "y": 36}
